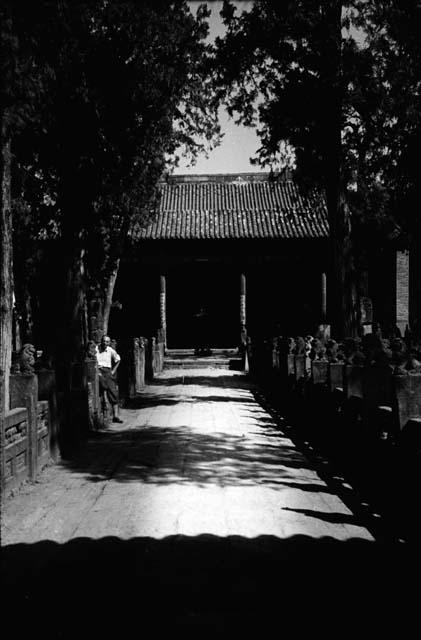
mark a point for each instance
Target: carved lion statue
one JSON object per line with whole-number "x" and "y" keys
{"x": 332, "y": 350}
{"x": 318, "y": 350}
{"x": 300, "y": 345}
{"x": 90, "y": 351}
{"x": 308, "y": 340}
{"x": 27, "y": 358}
{"x": 286, "y": 345}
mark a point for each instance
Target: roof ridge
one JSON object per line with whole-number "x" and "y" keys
{"x": 207, "y": 178}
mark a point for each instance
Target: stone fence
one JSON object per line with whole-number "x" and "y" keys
{"x": 49, "y": 418}
{"x": 145, "y": 362}
{"x": 30, "y": 428}
{"x": 375, "y": 383}
{"x": 45, "y": 419}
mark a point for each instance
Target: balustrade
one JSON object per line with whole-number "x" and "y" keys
{"x": 376, "y": 383}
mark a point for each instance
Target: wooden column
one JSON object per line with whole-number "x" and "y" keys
{"x": 243, "y": 317}
{"x": 324, "y": 299}
{"x": 163, "y": 305}
{"x": 323, "y": 330}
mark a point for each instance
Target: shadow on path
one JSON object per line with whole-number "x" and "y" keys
{"x": 333, "y": 518}
{"x": 194, "y": 458}
{"x": 155, "y": 400}
{"x": 110, "y": 586}
{"x": 175, "y": 377}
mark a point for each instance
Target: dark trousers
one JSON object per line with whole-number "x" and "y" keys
{"x": 108, "y": 385}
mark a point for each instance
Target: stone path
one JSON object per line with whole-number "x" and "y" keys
{"x": 197, "y": 513}
{"x": 198, "y": 456}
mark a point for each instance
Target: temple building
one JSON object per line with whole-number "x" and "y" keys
{"x": 242, "y": 251}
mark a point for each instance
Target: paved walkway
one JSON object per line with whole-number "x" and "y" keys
{"x": 197, "y": 512}
{"x": 198, "y": 456}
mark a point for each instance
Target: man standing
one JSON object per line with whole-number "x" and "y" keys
{"x": 108, "y": 362}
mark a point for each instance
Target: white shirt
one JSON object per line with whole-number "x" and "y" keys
{"x": 107, "y": 358}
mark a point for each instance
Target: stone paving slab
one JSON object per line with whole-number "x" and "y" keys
{"x": 197, "y": 454}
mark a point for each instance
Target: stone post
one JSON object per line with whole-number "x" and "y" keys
{"x": 47, "y": 391}
{"x": 134, "y": 358}
{"x": 137, "y": 374}
{"x": 140, "y": 375}
{"x": 163, "y": 306}
{"x": 91, "y": 385}
{"x": 153, "y": 356}
{"x": 407, "y": 391}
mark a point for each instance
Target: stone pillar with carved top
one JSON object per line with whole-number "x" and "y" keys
{"x": 163, "y": 306}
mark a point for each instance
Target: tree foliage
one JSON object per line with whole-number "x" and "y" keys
{"x": 129, "y": 89}
{"x": 129, "y": 86}
{"x": 272, "y": 72}
{"x": 393, "y": 39}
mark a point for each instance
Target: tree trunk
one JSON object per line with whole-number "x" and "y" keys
{"x": 75, "y": 301}
{"x": 340, "y": 305}
{"x": 340, "y": 298}
{"x": 100, "y": 304}
{"x": 24, "y": 314}
{"x": 70, "y": 319}
{"x": 6, "y": 266}
{"x": 74, "y": 202}
{"x": 108, "y": 297}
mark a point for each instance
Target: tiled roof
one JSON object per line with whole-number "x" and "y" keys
{"x": 248, "y": 206}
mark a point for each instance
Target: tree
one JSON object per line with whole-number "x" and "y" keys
{"x": 393, "y": 29}
{"x": 22, "y": 84}
{"x": 130, "y": 87}
{"x": 310, "y": 75}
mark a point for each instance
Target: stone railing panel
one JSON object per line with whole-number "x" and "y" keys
{"x": 43, "y": 434}
{"x": 290, "y": 365}
{"x": 377, "y": 385}
{"x": 24, "y": 393}
{"x": 353, "y": 377}
{"x": 47, "y": 391}
{"x": 299, "y": 367}
{"x": 336, "y": 376}
{"x": 16, "y": 453}
{"x": 320, "y": 372}
{"x": 407, "y": 389}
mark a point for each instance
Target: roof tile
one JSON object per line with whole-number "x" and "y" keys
{"x": 242, "y": 208}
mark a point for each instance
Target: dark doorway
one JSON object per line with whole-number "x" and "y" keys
{"x": 211, "y": 290}
{"x": 283, "y": 299}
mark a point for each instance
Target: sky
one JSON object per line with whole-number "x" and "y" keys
{"x": 239, "y": 143}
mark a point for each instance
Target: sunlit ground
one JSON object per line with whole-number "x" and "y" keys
{"x": 197, "y": 454}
